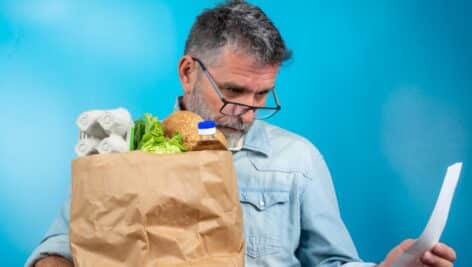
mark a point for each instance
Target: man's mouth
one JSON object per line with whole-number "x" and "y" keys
{"x": 228, "y": 129}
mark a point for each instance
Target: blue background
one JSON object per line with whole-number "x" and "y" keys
{"x": 382, "y": 88}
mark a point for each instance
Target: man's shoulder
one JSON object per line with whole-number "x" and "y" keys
{"x": 290, "y": 152}
{"x": 281, "y": 138}
{"x": 284, "y": 135}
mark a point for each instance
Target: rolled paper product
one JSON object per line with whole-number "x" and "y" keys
{"x": 111, "y": 144}
{"x": 116, "y": 121}
{"x": 86, "y": 147}
{"x": 88, "y": 123}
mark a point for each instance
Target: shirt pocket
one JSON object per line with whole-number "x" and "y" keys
{"x": 264, "y": 218}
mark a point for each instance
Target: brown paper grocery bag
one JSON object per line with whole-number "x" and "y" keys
{"x": 140, "y": 209}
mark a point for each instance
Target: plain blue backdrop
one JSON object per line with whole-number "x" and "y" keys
{"x": 382, "y": 88}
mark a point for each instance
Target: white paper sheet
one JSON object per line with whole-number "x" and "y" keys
{"x": 433, "y": 230}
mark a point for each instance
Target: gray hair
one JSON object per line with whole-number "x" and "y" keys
{"x": 240, "y": 25}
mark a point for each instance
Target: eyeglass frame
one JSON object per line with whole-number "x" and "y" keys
{"x": 226, "y": 102}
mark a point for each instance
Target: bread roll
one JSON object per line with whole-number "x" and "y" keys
{"x": 186, "y": 123}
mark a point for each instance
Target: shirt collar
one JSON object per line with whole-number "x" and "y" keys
{"x": 256, "y": 139}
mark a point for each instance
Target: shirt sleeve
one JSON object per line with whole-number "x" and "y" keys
{"x": 324, "y": 239}
{"x": 56, "y": 240}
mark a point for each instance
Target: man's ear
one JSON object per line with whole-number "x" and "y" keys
{"x": 187, "y": 73}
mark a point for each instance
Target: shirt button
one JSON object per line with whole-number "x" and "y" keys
{"x": 262, "y": 203}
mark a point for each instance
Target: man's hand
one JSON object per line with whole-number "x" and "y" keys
{"x": 439, "y": 256}
{"x": 53, "y": 261}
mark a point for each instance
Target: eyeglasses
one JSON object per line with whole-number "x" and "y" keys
{"x": 230, "y": 108}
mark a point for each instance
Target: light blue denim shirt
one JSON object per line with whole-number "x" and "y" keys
{"x": 290, "y": 210}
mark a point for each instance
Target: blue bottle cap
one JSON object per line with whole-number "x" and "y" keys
{"x": 206, "y": 125}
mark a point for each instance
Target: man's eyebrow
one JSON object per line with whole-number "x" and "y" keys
{"x": 232, "y": 85}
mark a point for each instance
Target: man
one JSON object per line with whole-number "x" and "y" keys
{"x": 291, "y": 218}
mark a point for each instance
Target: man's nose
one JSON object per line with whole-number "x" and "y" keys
{"x": 249, "y": 116}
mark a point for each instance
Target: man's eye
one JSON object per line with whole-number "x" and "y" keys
{"x": 234, "y": 91}
{"x": 262, "y": 93}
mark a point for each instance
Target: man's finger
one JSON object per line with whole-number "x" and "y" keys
{"x": 430, "y": 259}
{"x": 444, "y": 251}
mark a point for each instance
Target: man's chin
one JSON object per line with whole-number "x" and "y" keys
{"x": 232, "y": 135}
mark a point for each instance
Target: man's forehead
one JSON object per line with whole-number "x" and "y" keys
{"x": 232, "y": 56}
{"x": 243, "y": 70}
{"x": 236, "y": 78}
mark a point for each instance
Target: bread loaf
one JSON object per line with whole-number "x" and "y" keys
{"x": 186, "y": 123}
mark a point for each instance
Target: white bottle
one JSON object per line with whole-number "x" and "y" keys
{"x": 208, "y": 140}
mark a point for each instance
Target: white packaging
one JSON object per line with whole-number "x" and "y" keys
{"x": 88, "y": 123}
{"x": 86, "y": 146}
{"x": 113, "y": 143}
{"x": 117, "y": 121}
{"x": 103, "y": 131}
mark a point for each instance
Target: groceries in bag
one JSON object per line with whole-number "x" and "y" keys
{"x": 103, "y": 131}
{"x": 186, "y": 124}
{"x": 113, "y": 131}
{"x": 208, "y": 140}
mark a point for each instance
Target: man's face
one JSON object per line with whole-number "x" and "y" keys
{"x": 241, "y": 80}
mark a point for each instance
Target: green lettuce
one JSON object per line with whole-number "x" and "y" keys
{"x": 149, "y": 136}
